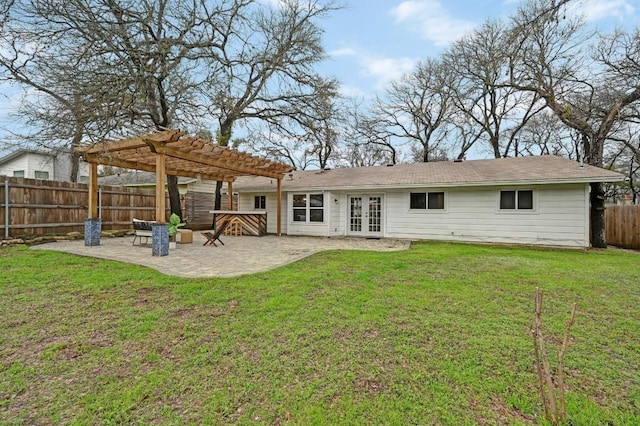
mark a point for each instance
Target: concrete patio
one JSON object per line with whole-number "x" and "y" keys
{"x": 238, "y": 256}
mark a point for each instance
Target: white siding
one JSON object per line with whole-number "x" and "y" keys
{"x": 310, "y": 229}
{"x": 57, "y": 167}
{"x": 246, "y": 203}
{"x": 30, "y": 163}
{"x": 560, "y": 216}
{"x": 472, "y": 214}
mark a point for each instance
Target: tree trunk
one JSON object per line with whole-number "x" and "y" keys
{"x": 224, "y": 136}
{"x": 598, "y": 234}
{"x": 217, "y": 202}
{"x": 174, "y": 195}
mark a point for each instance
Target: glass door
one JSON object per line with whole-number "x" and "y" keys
{"x": 365, "y": 215}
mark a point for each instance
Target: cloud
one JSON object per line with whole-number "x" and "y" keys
{"x": 379, "y": 68}
{"x": 595, "y": 10}
{"x": 430, "y": 19}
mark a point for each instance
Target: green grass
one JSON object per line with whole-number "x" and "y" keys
{"x": 438, "y": 334}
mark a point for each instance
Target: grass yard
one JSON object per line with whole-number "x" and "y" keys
{"x": 435, "y": 335}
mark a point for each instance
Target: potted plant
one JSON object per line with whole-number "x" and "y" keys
{"x": 174, "y": 223}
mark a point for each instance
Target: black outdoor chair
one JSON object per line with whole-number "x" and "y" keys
{"x": 212, "y": 237}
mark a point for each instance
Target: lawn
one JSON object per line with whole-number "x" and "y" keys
{"x": 438, "y": 334}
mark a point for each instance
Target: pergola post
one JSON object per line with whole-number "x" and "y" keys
{"x": 230, "y": 192}
{"x": 92, "y": 225}
{"x": 161, "y": 181}
{"x": 160, "y": 229}
{"x": 279, "y": 208}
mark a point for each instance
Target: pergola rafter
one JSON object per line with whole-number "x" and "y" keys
{"x": 172, "y": 152}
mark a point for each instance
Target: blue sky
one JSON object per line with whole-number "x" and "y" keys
{"x": 371, "y": 42}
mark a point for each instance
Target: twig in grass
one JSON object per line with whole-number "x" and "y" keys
{"x": 554, "y": 405}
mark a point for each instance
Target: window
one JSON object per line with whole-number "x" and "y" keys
{"x": 260, "y": 202}
{"x": 18, "y": 173}
{"x": 41, "y": 175}
{"x": 83, "y": 179}
{"x": 427, "y": 200}
{"x": 521, "y": 199}
{"x": 308, "y": 208}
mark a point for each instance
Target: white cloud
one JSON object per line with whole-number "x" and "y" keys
{"x": 595, "y": 10}
{"x": 380, "y": 69}
{"x": 430, "y": 19}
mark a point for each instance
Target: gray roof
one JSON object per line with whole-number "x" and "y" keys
{"x": 136, "y": 178}
{"x": 502, "y": 171}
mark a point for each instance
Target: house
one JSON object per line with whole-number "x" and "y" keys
{"x": 524, "y": 200}
{"x": 49, "y": 165}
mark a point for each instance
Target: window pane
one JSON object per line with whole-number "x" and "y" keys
{"x": 525, "y": 200}
{"x": 436, "y": 200}
{"x": 507, "y": 200}
{"x": 41, "y": 175}
{"x": 299, "y": 200}
{"x": 316, "y": 215}
{"x": 316, "y": 200}
{"x": 418, "y": 200}
{"x": 299, "y": 215}
{"x": 18, "y": 173}
{"x": 260, "y": 202}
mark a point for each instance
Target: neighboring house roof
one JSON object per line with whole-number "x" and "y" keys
{"x": 20, "y": 152}
{"x": 137, "y": 178}
{"x": 502, "y": 171}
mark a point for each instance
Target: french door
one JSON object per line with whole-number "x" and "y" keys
{"x": 365, "y": 215}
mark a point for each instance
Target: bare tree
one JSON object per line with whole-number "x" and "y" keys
{"x": 415, "y": 108}
{"x": 498, "y": 113}
{"x": 588, "y": 87}
{"x": 266, "y": 67}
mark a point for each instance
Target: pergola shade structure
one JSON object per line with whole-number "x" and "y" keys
{"x": 172, "y": 152}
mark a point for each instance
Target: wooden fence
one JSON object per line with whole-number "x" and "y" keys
{"x": 38, "y": 207}
{"x": 623, "y": 226}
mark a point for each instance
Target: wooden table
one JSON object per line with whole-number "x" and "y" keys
{"x": 252, "y": 222}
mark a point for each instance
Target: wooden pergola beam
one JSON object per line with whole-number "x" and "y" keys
{"x": 171, "y": 152}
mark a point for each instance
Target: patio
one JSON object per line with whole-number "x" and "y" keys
{"x": 238, "y": 256}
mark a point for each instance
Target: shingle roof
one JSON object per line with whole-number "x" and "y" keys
{"x": 512, "y": 171}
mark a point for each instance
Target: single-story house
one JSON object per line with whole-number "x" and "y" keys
{"x": 47, "y": 165}
{"x": 524, "y": 200}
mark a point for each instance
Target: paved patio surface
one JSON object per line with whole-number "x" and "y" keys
{"x": 239, "y": 255}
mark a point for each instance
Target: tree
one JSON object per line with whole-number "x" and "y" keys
{"x": 265, "y": 68}
{"x": 589, "y": 88}
{"x": 490, "y": 111}
{"x": 416, "y": 108}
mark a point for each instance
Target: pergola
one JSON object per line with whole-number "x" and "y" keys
{"x": 172, "y": 152}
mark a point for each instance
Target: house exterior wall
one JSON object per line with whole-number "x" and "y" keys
{"x": 560, "y": 215}
{"x": 246, "y": 203}
{"x": 30, "y": 163}
{"x": 58, "y": 167}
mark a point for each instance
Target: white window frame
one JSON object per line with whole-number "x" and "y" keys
{"x": 426, "y": 208}
{"x": 262, "y": 203}
{"x": 44, "y": 172}
{"x": 534, "y": 201}
{"x": 308, "y": 208}
{"x": 18, "y": 174}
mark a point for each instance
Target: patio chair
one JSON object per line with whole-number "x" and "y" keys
{"x": 142, "y": 228}
{"x": 212, "y": 237}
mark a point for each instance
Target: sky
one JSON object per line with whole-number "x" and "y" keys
{"x": 372, "y": 42}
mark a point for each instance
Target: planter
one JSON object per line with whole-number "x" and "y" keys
{"x": 160, "y": 239}
{"x": 92, "y": 230}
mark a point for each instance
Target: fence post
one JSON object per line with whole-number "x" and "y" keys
{"x": 6, "y": 209}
